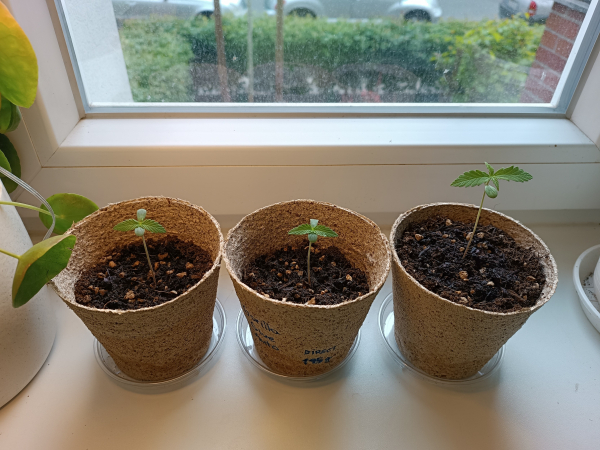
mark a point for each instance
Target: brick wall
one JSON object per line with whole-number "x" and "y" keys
{"x": 562, "y": 28}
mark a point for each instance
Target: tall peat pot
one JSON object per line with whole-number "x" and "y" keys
{"x": 159, "y": 342}
{"x": 286, "y": 333}
{"x": 26, "y": 333}
{"x": 446, "y": 339}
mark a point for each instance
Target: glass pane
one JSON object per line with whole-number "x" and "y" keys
{"x": 323, "y": 51}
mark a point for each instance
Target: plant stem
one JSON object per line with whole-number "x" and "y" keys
{"x": 149, "y": 262}
{"x": 23, "y": 205}
{"x": 476, "y": 222}
{"x": 10, "y": 254}
{"x": 308, "y": 262}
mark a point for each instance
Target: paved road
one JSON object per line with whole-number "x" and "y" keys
{"x": 469, "y": 9}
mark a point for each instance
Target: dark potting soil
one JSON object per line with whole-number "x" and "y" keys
{"x": 123, "y": 281}
{"x": 496, "y": 274}
{"x": 282, "y": 276}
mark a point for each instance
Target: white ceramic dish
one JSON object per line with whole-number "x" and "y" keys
{"x": 584, "y": 267}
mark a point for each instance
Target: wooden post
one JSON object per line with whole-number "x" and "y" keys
{"x": 221, "y": 62}
{"x": 279, "y": 54}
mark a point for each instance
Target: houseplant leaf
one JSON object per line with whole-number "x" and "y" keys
{"x": 10, "y": 116}
{"x": 11, "y": 155}
{"x": 40, "y": 264}
{"x": 18, "y": 64}
{"x": 68, "y": 209}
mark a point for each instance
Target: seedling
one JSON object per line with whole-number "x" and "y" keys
{"x": 140, "y": 226}
{"x": 477, "y": 178}
{"x": 314, "y": 230}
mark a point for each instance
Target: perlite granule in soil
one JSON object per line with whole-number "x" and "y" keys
{"x": 122, "y": 281}
{"x": 497, "y": 275}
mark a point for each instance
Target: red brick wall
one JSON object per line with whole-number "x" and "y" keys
{"x": 562, "y": 28}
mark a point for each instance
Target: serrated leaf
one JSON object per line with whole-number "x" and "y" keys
{"x": 11, "y": 155}
{"x": 324, "y": 231}
{"x": 513, "y": 173}
{"x": 127, "y": 225}
{"x": 471, "y": 178}
{"x": 314, "y": 223}
{"x": 495, "y": 181}
{"x": 40, "y": 264}
{"x": 152, "y": 226}
{"x": 69, "y": 209}
{"x": 18, "y": 64}
{"x": 305, "y": 228}
{"x": 490, "y": 169}
{"x": 491, "y": 191}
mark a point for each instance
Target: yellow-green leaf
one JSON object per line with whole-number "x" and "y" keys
{"x": 40, "y": 264}
{"x": 18, "y": 64}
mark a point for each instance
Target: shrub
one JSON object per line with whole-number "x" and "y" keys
{"x": 460, "y": 61}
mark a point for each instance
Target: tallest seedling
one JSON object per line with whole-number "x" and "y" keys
{"x": 477, "y": 178}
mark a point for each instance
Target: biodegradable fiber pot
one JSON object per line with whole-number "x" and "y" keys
{"x": 159, "y": 342}
{"x": 288, "y": 335}
{"x": 446, "y": 339}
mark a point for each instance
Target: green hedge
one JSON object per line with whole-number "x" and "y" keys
{"x": 464, "y": 61}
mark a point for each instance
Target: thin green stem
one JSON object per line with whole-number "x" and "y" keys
{"x": 476, "y": 222}
{"x": 23, "y": 205}
{"x": 308, "y": 262}
{"x": 10, "y": 254}
{"x": 149, "y": 262}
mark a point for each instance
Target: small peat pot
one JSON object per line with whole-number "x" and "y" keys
{"x": 454, "y": 338}
{"x": 305, "y": 336}
{"x": 151, "y": 334}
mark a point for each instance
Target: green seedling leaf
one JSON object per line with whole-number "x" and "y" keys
{"x": 127, "y": 225}
{"x": 471, "y": 178}
{"x": 40, "y": 264}
{"x": 11, "y": 155}
{"x": 305, "y": 228}
{"x": 69, "y": 209}
{"x": 18, "y": 64}
{"x": 152, "y": 226}
{"x": 513, "y": 173}
{"x": 324, "y": 231}
{"x": 490, "y": 169}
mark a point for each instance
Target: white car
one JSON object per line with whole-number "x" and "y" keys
{"x": 426, "y": 10}
{"x": 536, "y": 10}
{"x": 184, "y": 9}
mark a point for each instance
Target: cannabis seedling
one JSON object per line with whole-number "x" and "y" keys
{"x": 140, "y": 226}
{"x": 314, "y": 230}
{"x": 477, "y": 178}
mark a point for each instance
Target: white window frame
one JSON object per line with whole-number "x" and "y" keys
{"x": 248, "y": 158}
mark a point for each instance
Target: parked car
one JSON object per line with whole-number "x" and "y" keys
{"x": 184, "y": 9}
{"x": 532, "y": 10}
{"x": 426, "y": 10}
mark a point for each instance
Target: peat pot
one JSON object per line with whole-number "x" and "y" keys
{"x": 284, "y": 333}
{"x": 26, "y": 333}
{"x": 446, "y": 339}
{"x": 159, "y": 342}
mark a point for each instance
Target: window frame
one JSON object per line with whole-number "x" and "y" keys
{"x": 59, "y": 136}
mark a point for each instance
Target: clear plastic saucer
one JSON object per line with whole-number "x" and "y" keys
{"x": 244, "y": 337}
{"x": 386, "y": 326}
{"x": 107, "y": 364}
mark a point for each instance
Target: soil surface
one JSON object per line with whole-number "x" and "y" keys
{"x": 123, "y": 281}
{"x": 496, "y": 274}
{"x": 282, "y": 276}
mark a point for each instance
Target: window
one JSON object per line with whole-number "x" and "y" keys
{"x": 386, "y": 55}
